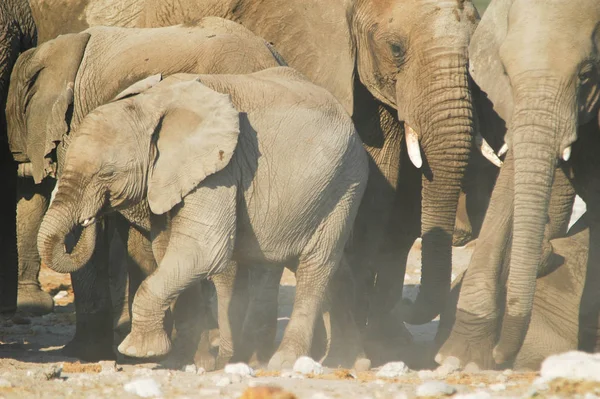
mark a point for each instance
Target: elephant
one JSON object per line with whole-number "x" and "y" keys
{"x": 56, "y": 84}
{"x": 549, "y": 103}
{"x": 400, "y": 69}
{"x": 555, "y": 325}
{"x": 262, "y": 168}
{"x": 17, "y": 34}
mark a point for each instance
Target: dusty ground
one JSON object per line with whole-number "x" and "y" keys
{"x": 30, "y": 359}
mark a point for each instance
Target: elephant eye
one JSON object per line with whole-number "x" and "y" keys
{"x": 397, "y": 50}
{"x": 586, "y": 73}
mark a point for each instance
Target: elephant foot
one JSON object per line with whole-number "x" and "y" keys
{"x": 32, "y": 300}
{"x": 93, "y": 340}
{"x": 145, "y": 344}
{"x": 467, "y": 347}
{"x": 282, "y": 359}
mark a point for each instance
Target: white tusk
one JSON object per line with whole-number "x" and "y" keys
{"x": 87, "y": 222}
{"x": 503, "y": 150}
{"x": 53, "y": 194}
{"x": 412, "y": 145}
{"x": 566, "y": 153}
{"x": 487, "y": 151}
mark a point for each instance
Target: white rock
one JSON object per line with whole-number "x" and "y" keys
{"x": 144, "y": 387}
{"x": 427, "y": 374}
{"x": 241, "y": 369}
{"x": 215, "y": 393}
{"x": 507, "y": 372}
{"x": 223, "y": 382}
{"x": 61, "y": 294}
{"x": 190, "y": 368}
{"x": 451, "y": 364}
{"x": 392, "y": 370}
{"x": 502, "y": 378}
{"x": 320, "y": 395}
{"x": 573, "y": 366}
{"x": 473, "y": 395}
{"x": 5, "y": 383}
{"x": 306, "y": 365}
{"x": 200, "y": 371}
{"x": 498, "y": 387}
{"x": 435, "y": 388}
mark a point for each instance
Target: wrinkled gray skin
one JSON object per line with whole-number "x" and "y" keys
{"x": 388, "y": 62}
{"x": 538, "y": 62}
{"x": 555, "y": 326}
{"x": 87, "y": 69}
{"x": 17, "y": 34}
{"x": 200, "y": 152}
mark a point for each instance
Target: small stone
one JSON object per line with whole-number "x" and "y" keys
{"x": 223, "y": 382}
{"x": 235, "y": 378}
{"x": 572, "y": 365}
{"x": 392, "y": 370}
{"x": 286, "y": 374}
{"x": 498, "y": 387}
{"x": 54, "y": 373}
{"x": 144, "y": 387}
{"x": 507, "y": 372}
{"x": 435, "y": 388}
{"x": 426, "y": 374}
{"x": 241, "y": 369}
{"x": 190, "y": 368}
{"x": 5, "y": 383}
{"x": 502, "y": 378}
{"x": 473, "y": 395}
{"x": 200, "y": 371}
{"x": 306, "y": 365}
{"x": 108, "y": 366}
{"x": 451, "y": 364}
{"x": 209, "y": 392}
{"x": 61, "y": 294}
{"x": 320, "y": 395}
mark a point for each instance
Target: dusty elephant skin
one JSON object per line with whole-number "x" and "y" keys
{"x": 391, "y": 64}
{"x": 538, "y": 63}
{"x": 55, "y": 85}
{"x": 555, "y": 322}
{"x": 215, "y": 198}
{"x": 17, "y": 34}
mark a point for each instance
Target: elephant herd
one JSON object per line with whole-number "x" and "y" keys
{"x": 199, "y": 147}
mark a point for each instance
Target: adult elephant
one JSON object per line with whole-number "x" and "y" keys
{"x": 17, "y": 34}
{"x": 538, "y": 63}
{"x": 400, "y": 69}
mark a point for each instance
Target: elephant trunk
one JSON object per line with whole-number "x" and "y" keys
{"x": 59, "y": 222}
{"x": 536, "y": 133}
{"x": 446, "y": 129}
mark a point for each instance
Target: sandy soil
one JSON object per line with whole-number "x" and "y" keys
{"x": 30, "y": 363}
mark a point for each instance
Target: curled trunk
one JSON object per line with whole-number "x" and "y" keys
{"x": 58, "y": 223}
{"x": 446, "y": 129}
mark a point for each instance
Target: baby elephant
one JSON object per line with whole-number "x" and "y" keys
{"x": 264, "y": 168}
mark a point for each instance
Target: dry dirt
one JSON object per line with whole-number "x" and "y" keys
{"x": 30, "y": 364}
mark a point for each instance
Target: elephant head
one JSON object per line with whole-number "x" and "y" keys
{"x": 412, "y": 56}
{"x": 40, "y": 99}
{"x": 539, "y": 64}
{"x": 151, "y": 143}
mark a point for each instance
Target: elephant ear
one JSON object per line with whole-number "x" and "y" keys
{"x": 139, "y": 87}
{"x": 195, "y": 137}
{"x": 485, "y": 64}
{"x": 45, "y": 80}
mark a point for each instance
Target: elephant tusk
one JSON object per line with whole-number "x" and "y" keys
{"x": 503, "y": 150}
{"x": 487, "y": 151}
{"x": 412, "y": 145}
{"x": 53, "y": 194}
{"x": 566, "y": 154}
{"x": 87, "y": 222}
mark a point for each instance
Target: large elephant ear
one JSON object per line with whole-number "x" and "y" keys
{"x": 485, "y": 64}
{"x": 45, "y": 79}
{"x": 195, "y": 137}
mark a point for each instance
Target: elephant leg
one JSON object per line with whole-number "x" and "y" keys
{"x": 93, "y": 338}
{"x": 32, "y": 202}
{"x": 473, "y": 334}
{"x": 345, "y": 342}
{"x": 463, "y": 231}
{"x": 8, "y": 236}
{"x": 199, "y": 245}
{"x": 232, "y": 299}
{"x": 257, "y": 343}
